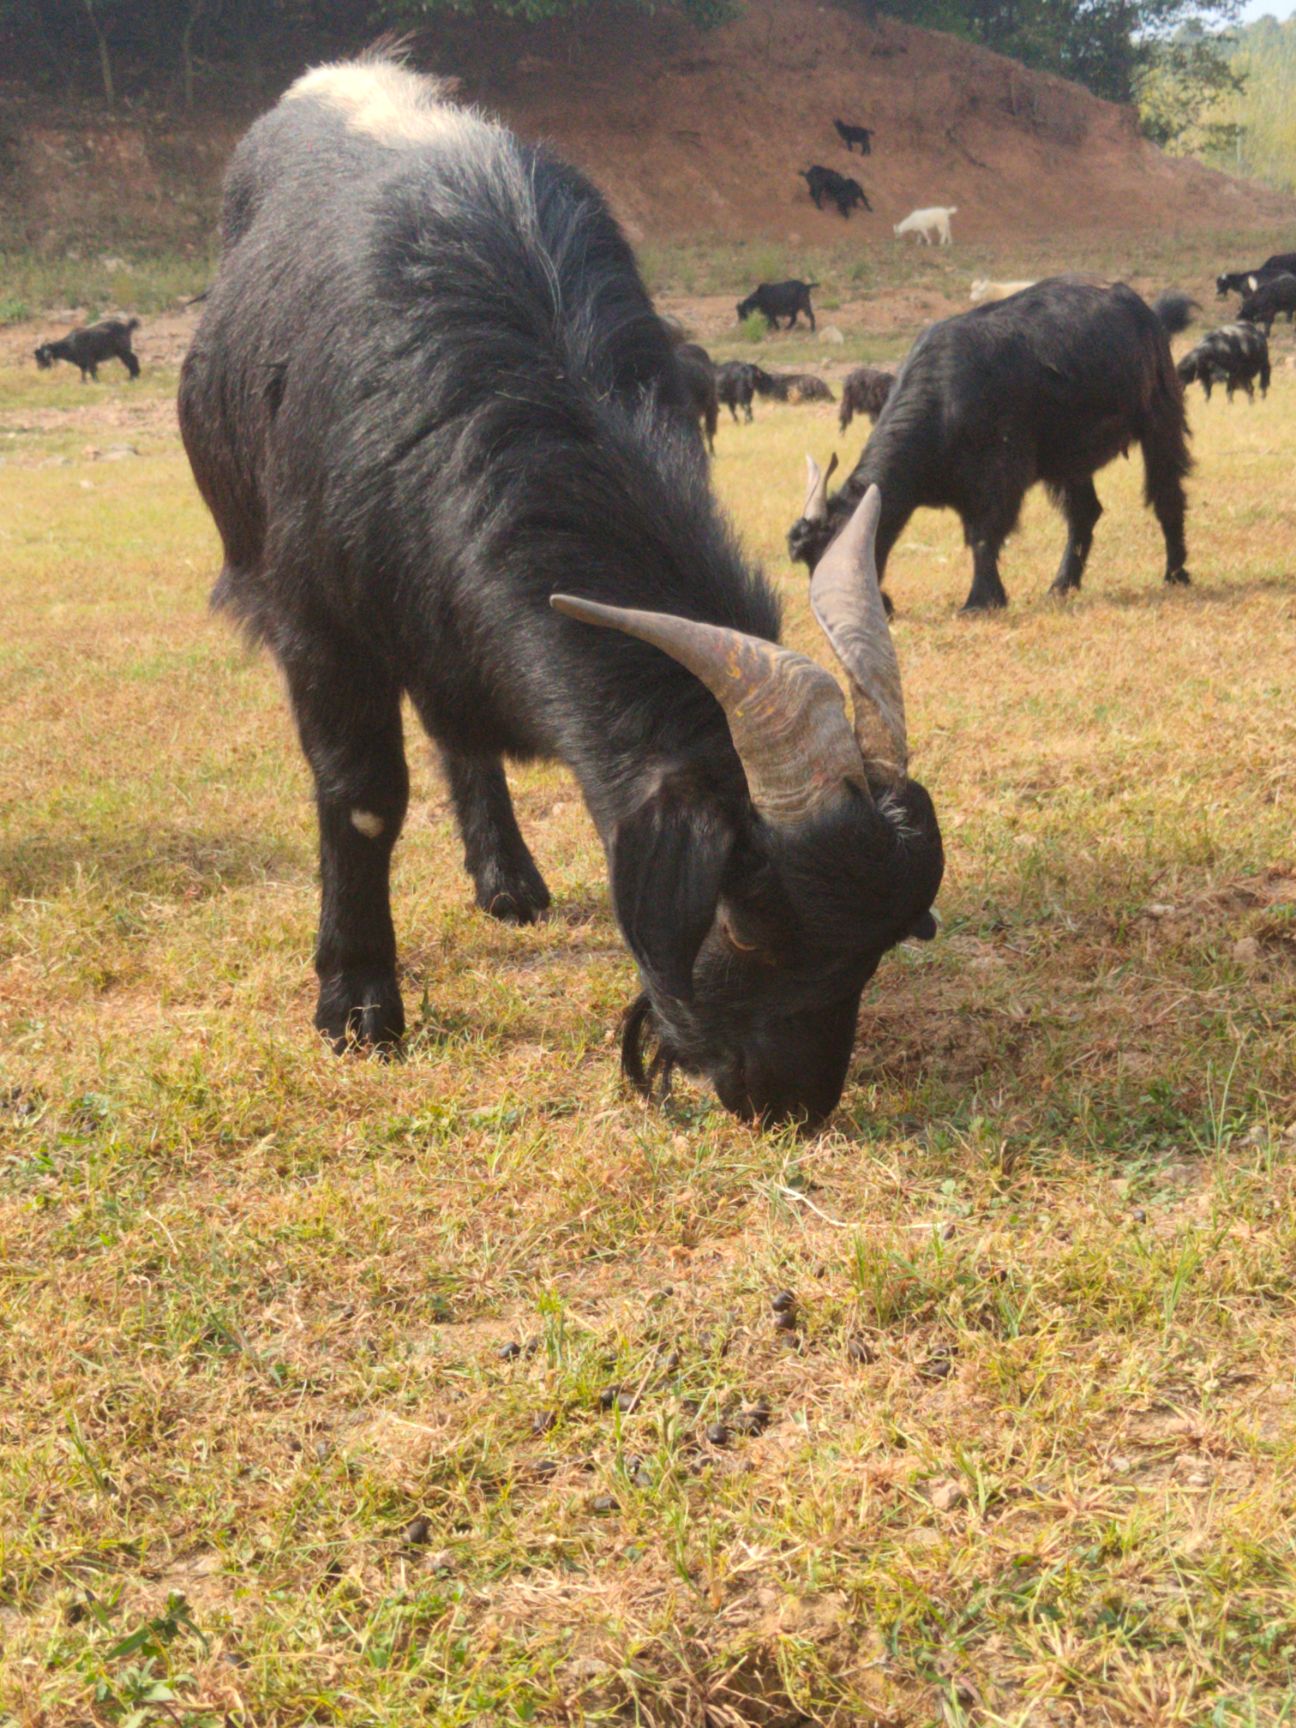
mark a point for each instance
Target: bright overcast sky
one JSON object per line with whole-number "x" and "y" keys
{"x": 1276, "y": 8}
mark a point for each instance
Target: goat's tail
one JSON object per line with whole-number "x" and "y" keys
{"x": 1175, "y": 311}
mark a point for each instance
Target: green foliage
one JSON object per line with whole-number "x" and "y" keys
{"x": 1180, "y": 88}
{"x": 1252, "y": 129}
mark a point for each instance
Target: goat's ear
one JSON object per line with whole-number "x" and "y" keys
{"x": 668, "y": 862}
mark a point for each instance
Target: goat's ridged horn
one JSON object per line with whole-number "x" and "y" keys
{"x": 786, "y": 715}
{"x": 847, "y": 601}
{"x": 816, "y": 504}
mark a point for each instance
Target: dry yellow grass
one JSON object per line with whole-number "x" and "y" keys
{"x": 1029, "y": 1449}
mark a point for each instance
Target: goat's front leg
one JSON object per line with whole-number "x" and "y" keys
{"x": 987, "y": 593}
{"x": 504, "y": 873}
{"x": 348, "y": 717}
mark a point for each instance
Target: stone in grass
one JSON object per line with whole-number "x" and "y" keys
{"x": 718, "y": 1434}
{"x": 416, "y": 1532}
{"x": 1246, "y": 951}
{"x": 605, "y": 1503}
{"x": 783, "y": 1302}
{"x": 509, "y": 1352}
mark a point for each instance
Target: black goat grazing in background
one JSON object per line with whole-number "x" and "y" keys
{"x": 792, "y": 387}
{"x": 91, "y": 345}
{"x": 866, "y": 390}
{"x": 700, "y": 385}
{"x": 428, "y": 398}
{"x": 736, "y": 386}
{"x": 1048, "y": 386}
{"x": 775, "y": 300}
{"x": 1247, "y": 281}
{"x": 852, "y": 135}
{"x": 1270, "y": 300}
{"x": 841, "y": 189}
{"x": 1235, "y": 355}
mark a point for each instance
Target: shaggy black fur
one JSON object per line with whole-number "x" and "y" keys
{"x": 736, "y": 386}
{"x": 1175, "y": 309}
{"x": 700, "y": 384}
{"x": 1271, "y": 300}
{"x": 792, "y": 387}
{"x": 775, "y": 300}
{"x": 88, "y": 347}
{"x": 840, "y": 189}
{"x": 1048, "y": 386}
{"x": 866, "y": 391}
{"x": 1247, "y": 281}
{"x": 428, "y": 391}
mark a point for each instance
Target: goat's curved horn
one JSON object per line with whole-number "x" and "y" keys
{"x": 786, "y": 715}
{"x": 847, "y": 601}
{"x": 816, "y": 504}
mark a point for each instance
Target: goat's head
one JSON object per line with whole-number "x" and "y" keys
{"x": 757, "y": 924}
{"x": 746, "y": 307}
{"x": 45, "y": 356}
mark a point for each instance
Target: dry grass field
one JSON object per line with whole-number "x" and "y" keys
{"x": 452, "y": 1392}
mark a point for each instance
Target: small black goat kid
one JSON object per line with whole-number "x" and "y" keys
{"x": 840, "y": 189}
{"x": 1235, "y": 355}
{"x": 429, "y": 395}
{"x": 1272, "y": 299}
{"x": 91, "y": 345}
{"x": 1048, "y": 386}
{"x": 852, "y": 135}
{"x": 775, "y": 300}
{"x": 736, "y": 386}
{"x": 866, "y": 391}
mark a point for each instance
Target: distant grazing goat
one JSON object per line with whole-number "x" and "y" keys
{"x": 865, "y": 392}
{"x": 736, "y": 385}
{"x": 1270, "y": 300}
{"x": 984, "y": 291}
{"x": 700, "y": 384}
{"x": 793, "y": 387}
{"x": 933, "y": 220}
{"x": 852, "y": 135}
{"x": 1048, "y": 386}
{"x": 87, "y": 347}
{"x": 775, "y": 300}
{"x": 844, "y": 191}
{"x": 1235, "y": 355}
{"x": 1175, "y": 310}
{"x": 1247, "y": 281}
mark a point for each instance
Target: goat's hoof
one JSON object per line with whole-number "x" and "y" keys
{"x": 1178, "y": 578}
{"x": 990, "y": 603}
{"x": 361, "y": 1011}
{"x": 517, "y": 896}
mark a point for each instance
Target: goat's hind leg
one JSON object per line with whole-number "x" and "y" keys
{"x": 1079, "y": 504}
{"x": 508, "y": 884}
{"x": 348, "y": 717}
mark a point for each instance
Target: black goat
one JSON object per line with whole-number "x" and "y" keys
{"x": 866, "y": 391}
{"x": 852, "y": 135}
{"x": 1049, "y": 386}
{"x": 428, "y": 394}
{"x": 793, "y": 387}
{"x": 1235, "y": 355}
{"x": 775, "y": 300}
{"x": 841, "y": 189}
{"x": 1270, "y": 300}
{"x": 700, "y": 385}
{"x": 1247, "y": 281}
{"x": 736, "y": 386}
{"x": 94, "y": 343}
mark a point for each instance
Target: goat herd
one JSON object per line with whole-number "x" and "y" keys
{"x": 452, "y": 453}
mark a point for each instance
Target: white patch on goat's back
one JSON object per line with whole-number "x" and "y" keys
{"x": 386, "y": 102}
{"x": 366, "y": 823}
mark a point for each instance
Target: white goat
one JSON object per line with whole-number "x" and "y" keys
{"x": 928, "y": 222}
{"x": 985, "y": 290}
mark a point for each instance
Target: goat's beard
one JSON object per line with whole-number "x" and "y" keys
{"x": 640, "y": 1033}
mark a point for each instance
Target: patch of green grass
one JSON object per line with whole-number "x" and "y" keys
{"x": 391, "y": 1392}
{"x": 36, "y": 283}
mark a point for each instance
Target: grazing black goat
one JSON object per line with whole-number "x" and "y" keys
{"x": 1270, "y": 300}
{"x": 1049, "y": 386}
{"x": 428, "y": 398}
{"x": 1247, "y": 281}
{"x": 852, "y": 135}
{"x": 840, "y": 189}
{"x": 700, "y": 385}
{"x": 866, "y": 391}
{"x": 1235, "y": 355}
{"x": 736, "y": 386}
{"x": 775, "y": 300}
{"x": 94, "y": 343}
{"x": 1175, "y": 310}
{"x": 792, "y": 387}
